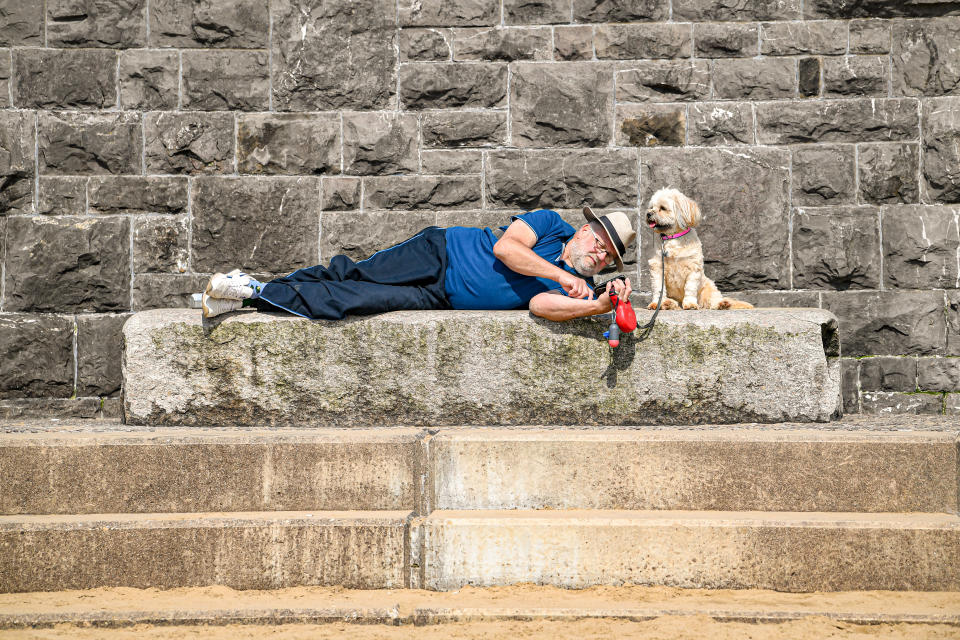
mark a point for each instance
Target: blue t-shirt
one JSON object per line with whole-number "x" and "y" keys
{"x": 476, "y": 279}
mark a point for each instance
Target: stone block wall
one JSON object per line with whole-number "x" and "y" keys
{"x": 145, "y": 144}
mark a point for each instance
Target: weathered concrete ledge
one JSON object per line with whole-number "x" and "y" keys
{"x": 482, "y": 367}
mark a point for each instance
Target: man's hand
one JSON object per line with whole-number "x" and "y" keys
{"x": 623, "y": 289}
{"x": 575, "y": 287}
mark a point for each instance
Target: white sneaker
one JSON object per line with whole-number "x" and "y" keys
{"x": 216, "y": 306}
{"x": 234, "y": 286}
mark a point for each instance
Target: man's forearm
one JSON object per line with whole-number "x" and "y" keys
{"x": 523, "y": 260}
{"x": 559, "y": 308}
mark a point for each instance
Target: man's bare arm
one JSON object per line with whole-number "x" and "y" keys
{"x": 555, "y": 306}
{"x": 515, "y": 249}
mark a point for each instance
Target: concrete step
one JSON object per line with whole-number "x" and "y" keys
{"x": 714, "y": 550}
{"x": 695, "y": 469}
{"x": 257, "y": 550}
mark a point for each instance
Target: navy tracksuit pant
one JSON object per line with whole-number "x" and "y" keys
{"x": 408, "y": 275}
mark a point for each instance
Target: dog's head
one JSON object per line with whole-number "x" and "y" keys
{"x": 671, "y": 212}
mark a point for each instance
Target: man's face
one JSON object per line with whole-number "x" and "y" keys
{"x": 589, "y": 250}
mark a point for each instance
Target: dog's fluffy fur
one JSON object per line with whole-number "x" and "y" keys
{"x": 669, "y": 213}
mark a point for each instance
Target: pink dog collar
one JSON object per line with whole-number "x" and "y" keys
{"x": 676, "y": 235}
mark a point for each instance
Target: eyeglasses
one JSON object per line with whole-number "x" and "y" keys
{"x": 602, "y": 248}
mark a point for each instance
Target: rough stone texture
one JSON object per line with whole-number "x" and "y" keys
{"x": 650, "y": 125}
{"x": 824, "y": 174}
{"x": 463, "y": 129}
{"x": 888, "y": 322}
{"x": 56, "y": 408}
{"x": 226, "y": 80}
{"x": 953, "y": 323}
{"x": 421, "y": 192}
{"x": 171, "y": 370}
{"x": 939, "y": 374}
{"x": 736, "y": 10}
{"x": 21, "y": 23}
{"x": 563, "y": 104}
{"x": 89, "y": 143}
{"x": 669, "y": 81}
{"x": 664, "y": 40}
{"x": 573, "y": 43}
{"x": 165, "y": 291}
{"x": 951, "y": 404}
{"x": 99, "y": 352}
{"x": 425, "y": 45}
{"x": 525, "y": 180}
{"x": 724, "y": 40}
{"x": 449, "y": 161}
{"x": 149, "y": 79}
{"x": 6, "y": 70}
{"x": 888, "y": 374}
{"x": 445, "y": 85}
{"x": 511, "y": 43}
{"x": 869, "y": 36}
{"x": 620, "y": 10}
{"x": 440, "y": 13}
{"x": 96, "y": 23}
{"x": 64, "y": 78}
{"x": 745, "y": 240}
{"x": 68, "y": 264}
{"x": 160, "y": 244}
{"x": 236, "y": 24}
{"x": 288, "y": 143}
{"x": 536, "y": 11}
{"x": 881, "y": 402}
{"x": 836, "y": 248}
{"x": 268, "y": 224}
{"x": 337, "y": 194}
{"x": 62, "y": 196}
{"x": 795, "y": 38}
{"x": 379, "y": 143}
{"x": 889, "y": 172}
{"x": 853, "y": 120}
{"x": 36, "y": 355}
{"x": 808, "y": 77}
{"x": 189, "y": 143}
{"x": 879, "y": 8}
{"x": 924, "y": 57}
{"x": 850, "y": 370}
{"x": 778, "y": 299}
{"x": 134, "y": 194}
{"x": 941, "y": 149}
{"x": 921, "y": 247}
{"x": 360, "y": 235}
{"x": 324, "y": 57}
{"x": 720, "y": 123}
{"x": 855, "y": 76}
{"x": 755, "y": 78}
{"x": 17, "y": 162}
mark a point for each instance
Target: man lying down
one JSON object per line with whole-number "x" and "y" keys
{"x": 538, "y": 261}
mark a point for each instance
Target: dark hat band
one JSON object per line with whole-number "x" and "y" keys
{"x": 617, "y": 242}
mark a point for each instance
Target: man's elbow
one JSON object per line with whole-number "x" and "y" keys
{"x": 542, "y": 308}
{"x": 499, "y": 250}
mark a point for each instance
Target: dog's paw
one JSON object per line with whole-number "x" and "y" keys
{"x": 670, "y": 304}
{"x": 689, "y": 304}
{"x": 652, "y": 305}
{"x": 724, "y": 304}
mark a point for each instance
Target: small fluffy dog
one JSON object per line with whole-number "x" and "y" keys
{"x": 673, "y": 215}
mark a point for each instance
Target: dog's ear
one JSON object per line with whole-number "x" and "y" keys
{"x": 693, "y": 213}
{"x": 688, "y": 212}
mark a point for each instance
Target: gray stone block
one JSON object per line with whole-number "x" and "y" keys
{"x": 889, "y": 322}
{"x": 885, "y": 373}
{"x": 951, "y": 404}
{"x": 165, "y": 291}
{"x": 869, "y": 36}
{"x": 339, "y": 194}
{"x": 824, "y": 174}
{"x": 536, "y": 11}
{"x": 941, "y": 149}
{"x": 96, "y": 23}
{"x": 288, "y": 143}
{"x": 440, "y": 13}
{"x": 21, "y": 23}
{"x": 45, "y": 408}
{"x": 6, "y": 71}
{"x": 62, "y": 196}
{"x": 360, "y": 235}
{"x": 620, "y": 10}
{"x": 89, "y": 143}
{"x": 953, "y": 322}
{"x": 446, "y": 85}
{"x": 378, "y": 143}
{"x": 36, "y": 356}
{"x": 836, "y": 248}
{"x": 888, "y": 173}
{"x": 755, "y": 78}
{"x": 625, "y": 41}
{"x": 149, "y": 79}
{"x": 136, "y": 194}
{"x": 507, "y": 44}
{"x": 225, "y": 80}
{"x": 920, "y": 247}
{"x": 236, "y": 24}
{"x": 17, "y": 161}
{"x": 421, "y": 192}
{"x": 430, "y": 45}
{"x": 795, "y": 38}
{"x": 855, "y": 76}
{"x": 573, "y": 43}
{"x": 939, "y": 374}
{"x": 99, "y": 352}
{"x": 879, "y": 9}
{"x": 464, "y": 128}
{"x": 68, "y": 264}
{"x": 881, "y": 402}
{"x": 256, "y": 224}
{"x": 584, "y": 89}
{"x": 449, "y": 161}
{"x": 650, "y": 125}
{"x": 526, "y": 180}
{"x": 64, "y": 78}
{"x": 924, "y": 57}
{"x": 744, "y": 230}
{"x": 852, "y": 120}
{"x": 850, "y": 384}
{"x": 720, "y": 123}
{"x": 726, "y": 40}
{"x": 160, "y": 244}
{"x": 772, "y": 299}
{"x": 742, "y": 11}
{"x": 808, "y": 77}
{"x": 664, "y": 81}
{"x": 325, "y": 58}
{"x": 189, "y": 143}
